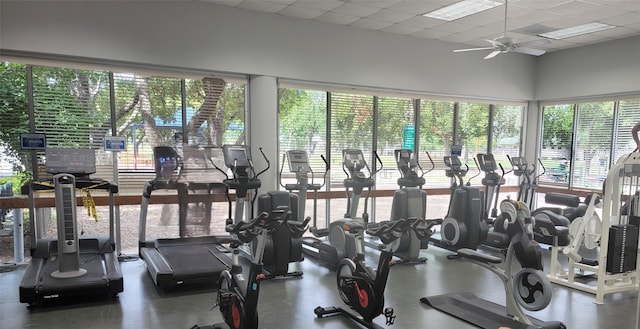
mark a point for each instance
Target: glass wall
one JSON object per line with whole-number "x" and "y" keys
{"x": 557, "y": 140}
{"x": 74, "y": 108}
{"x": 351, "y": 126}
{"x": 351, "y": 119}
{"x": 581, "y": 141}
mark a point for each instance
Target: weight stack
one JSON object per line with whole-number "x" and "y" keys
{"x": 623, "y": 249}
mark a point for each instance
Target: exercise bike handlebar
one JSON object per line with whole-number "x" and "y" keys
{"x": 247, "y": 231}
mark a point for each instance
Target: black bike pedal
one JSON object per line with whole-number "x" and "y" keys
{"x": 388, "y": 314}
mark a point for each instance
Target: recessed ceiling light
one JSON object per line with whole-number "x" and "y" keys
{"x": 576, "y": 30}
{"x": 462, "y": 9}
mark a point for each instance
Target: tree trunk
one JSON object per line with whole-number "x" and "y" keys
{"x": 210, "y": 111}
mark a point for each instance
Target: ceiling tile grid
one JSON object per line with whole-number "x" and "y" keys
{"x": 525, "y": 18}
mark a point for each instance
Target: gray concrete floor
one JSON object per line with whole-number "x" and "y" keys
{"x": 289, "y": 303}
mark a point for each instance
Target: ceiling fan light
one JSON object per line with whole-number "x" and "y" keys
{"x": 462, "y": 9}
{"x": 576, "y": 30}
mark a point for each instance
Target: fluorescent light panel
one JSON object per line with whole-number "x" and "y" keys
{"x": 576, "y": 30}
{"x": 462, "y": 9}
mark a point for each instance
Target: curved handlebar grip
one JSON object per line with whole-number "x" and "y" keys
{"x": 326, "y": 164}
{"x": 375, "y": 153}
{"x": 544, "y": 170}
{"x": 265, "y": 159}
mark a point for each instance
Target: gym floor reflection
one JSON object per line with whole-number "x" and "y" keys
{"x": 289, "y": 303}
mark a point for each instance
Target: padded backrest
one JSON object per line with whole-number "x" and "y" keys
{"x": 562, "y": 199}
{"x": 274, "y": 200}
{"x": 409, "y": 203}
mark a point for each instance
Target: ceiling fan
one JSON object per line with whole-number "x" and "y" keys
{"x": 505, "y": 44}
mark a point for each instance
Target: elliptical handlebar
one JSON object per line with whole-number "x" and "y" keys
{"x": 326, "y": 171}
{"x": 433, "y": 165}
{"x": 265, "y": 159}
{"x": 375, "y": 153}
{"x": 476, "y": 175}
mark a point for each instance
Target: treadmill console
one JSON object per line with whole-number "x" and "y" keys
{"x": 77, "y": 162}
{"x": 298, "y": 161}
{"x": 353, "y": 159}
{"x": 236, "y": 156}
{"x": 166, "y": 161}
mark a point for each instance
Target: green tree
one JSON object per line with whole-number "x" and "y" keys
{"x": 14, "y": 112}
{"x": 436, "y": 125}
{"x": 302, "y": 117}
{"x": 557, "y": 129}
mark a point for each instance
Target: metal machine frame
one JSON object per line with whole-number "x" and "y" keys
{"x": 622, "y": 182}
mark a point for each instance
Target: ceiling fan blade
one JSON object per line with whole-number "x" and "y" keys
{"x": 471, "y": 49}
{"x": 492, "y": 54}
{"x": 529, "y": 51}
{"x": 534, "y": 43}
{"x": 496, "y": 43}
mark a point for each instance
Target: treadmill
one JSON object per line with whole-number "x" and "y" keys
{"x": 78, "y": 265}
{"x": 190, "y": 258}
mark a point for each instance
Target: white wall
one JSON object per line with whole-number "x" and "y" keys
{"x": 601, "y": 69}
{"x": 199, "y": 35}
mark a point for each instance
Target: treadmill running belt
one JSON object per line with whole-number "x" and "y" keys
{"x": 194, "y": 261}
{"x": 95, "y": 276}
{"x": 471, "y": 309}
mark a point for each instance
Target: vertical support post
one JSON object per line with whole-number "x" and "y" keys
{"x": 18, "y": 236}
{"x": 263, "y": 127}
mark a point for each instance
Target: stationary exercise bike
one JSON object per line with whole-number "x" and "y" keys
{"x": 238, "y": 295}
{"x": 528, "y": 288}
{"x": 362, "y": 287}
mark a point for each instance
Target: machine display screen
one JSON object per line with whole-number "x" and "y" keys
{"x": 238, "y": 156}
{"x": 298, "y": 161}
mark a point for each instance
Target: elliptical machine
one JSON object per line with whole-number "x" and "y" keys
{"x": 362, "y": 287}
{"x": 238, "y": 296}
{"x": 529, "y": 288}
{"x": 410, "y": 201}
{"x": 340, "y": 240}
{"x": 299, "y": 164}
{"x": 281, "y": 248}
{"x": 497, "y": 236}
{"x": 464, "y": 226}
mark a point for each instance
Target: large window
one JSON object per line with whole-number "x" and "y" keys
{"x": 593, "y": 134}
{"x": 557, "y": 140}
{"x": 396, "y": 130}
{"x": 302, "y": 126}
{"x": 628, "y": 116}
{"x": 351, "y": 127}
{"x": 506, "y": 132}
{"x": 75, "y": 108}
{"x": 581, "y": 141}
{"x": 473, "y": 129}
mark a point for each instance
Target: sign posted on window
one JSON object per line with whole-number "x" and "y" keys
{"x": 33, "y": 141}
{"x": 409, "y": 137}
{"x": 115, "y": 144}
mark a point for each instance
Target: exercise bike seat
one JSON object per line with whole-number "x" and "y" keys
{"x": 477, "y": 256}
